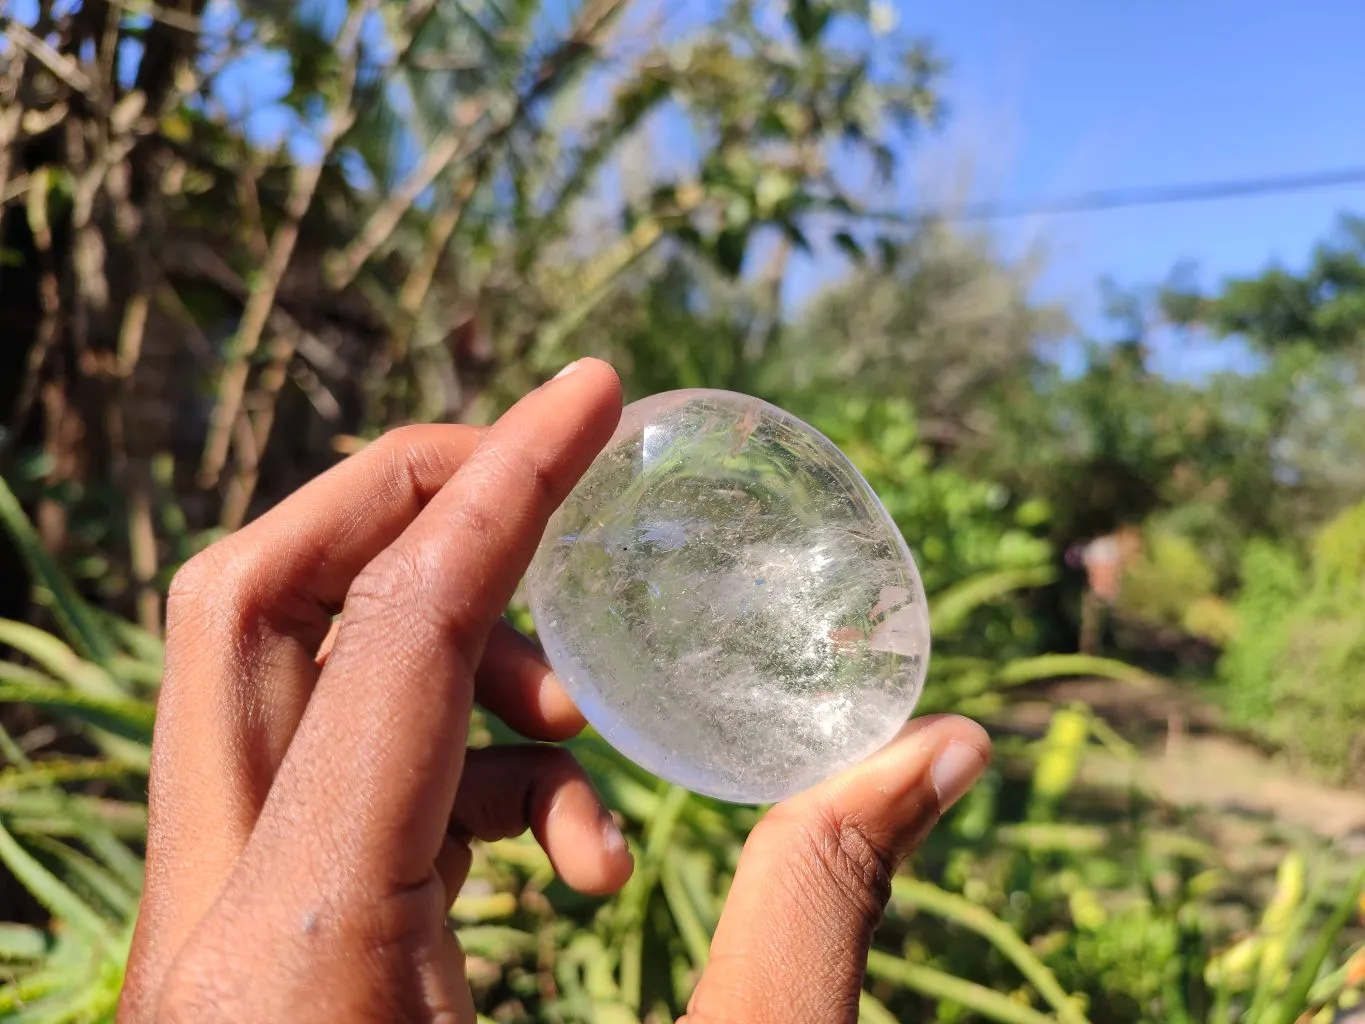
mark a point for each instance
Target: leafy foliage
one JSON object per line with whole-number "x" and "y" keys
{"x": 1103, "y": 940}
{"x": 1293, "y": 670}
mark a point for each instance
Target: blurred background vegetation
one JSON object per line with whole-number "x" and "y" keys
{"x": 1149, "y": 587}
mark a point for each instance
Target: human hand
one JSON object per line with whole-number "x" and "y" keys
{"x": 311, "y": 814}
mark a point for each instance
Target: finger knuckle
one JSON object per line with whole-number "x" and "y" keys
{"x": 402, "y": 439}
{"x": 403, "y": 460}
{"x": 539, "y": 474}
{"x": 389, "y": 585}
{"x": 841, "y": 863}
{"x": 478, "y": 519}
{"x": 401, "y": 590}
{"x": 193, "y": 581}
{"x": 532, "y": 474}
{"x": 216, "y": 581}
{"x": 552, "y": 768}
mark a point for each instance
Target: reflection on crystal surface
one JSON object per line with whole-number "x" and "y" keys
{"x": 728, "y": 602}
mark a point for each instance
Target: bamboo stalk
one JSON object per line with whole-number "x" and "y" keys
{"x": 49, "y": 302}
{"x": 417, "y": 286}
{"x": 134, "y": 470}
{"x": 418, "y": 283}
{"x": 415, "y": 289}
{"x": 256, "y": 315}
{"x": 237, "y": 497}
{"x": 65, "y": 68}
{"x": 453, "y": 147}
{"x": 11, "y": 124}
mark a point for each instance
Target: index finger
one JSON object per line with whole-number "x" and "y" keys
{"x": 397, "y": 689}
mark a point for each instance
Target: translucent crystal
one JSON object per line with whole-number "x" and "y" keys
{"x": 728, "y": 602}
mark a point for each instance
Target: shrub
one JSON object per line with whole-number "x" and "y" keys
{"x": 1294, "y": 672}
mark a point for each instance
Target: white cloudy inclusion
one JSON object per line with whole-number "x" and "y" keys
{"x": 728, "y": 602}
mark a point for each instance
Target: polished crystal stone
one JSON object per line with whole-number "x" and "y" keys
{"x": 728, "y": 602}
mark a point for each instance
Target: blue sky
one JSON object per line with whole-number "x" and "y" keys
{"x": 1055, "y": 97}
{"x": 1051, "y": 98}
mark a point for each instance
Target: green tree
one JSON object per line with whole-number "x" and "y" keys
{"x": 204, "y": 314}
{"x": 1303, "y": 410}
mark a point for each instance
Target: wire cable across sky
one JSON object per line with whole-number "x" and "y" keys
{"x": 1159, "y": 195}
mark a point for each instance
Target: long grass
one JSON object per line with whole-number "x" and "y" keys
{"x": 73, "y": 822}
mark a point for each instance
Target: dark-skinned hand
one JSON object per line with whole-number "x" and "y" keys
{"x": 312, "y": 809}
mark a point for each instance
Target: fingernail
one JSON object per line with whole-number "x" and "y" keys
{"x": 612, "y": 838}
{"x": 567, "y": 370}
{"x": 954, "y": 770}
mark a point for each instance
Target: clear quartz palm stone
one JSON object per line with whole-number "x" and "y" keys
{"x": 728, "y": 602}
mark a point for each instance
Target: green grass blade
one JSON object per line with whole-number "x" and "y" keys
{"x": 47, "y": 813}
{"x": 22, "y": 942}
{"x": 950, "y": 610}
{"x": 97, "y": 1000}
{"x": 145, "y": 674}
{"x": 49, "y": 890}
{"x": 686, "y": 915}
{"x": 909, "y": 893}
{"x": 936, "y": 984}
{"x": 1295, "y": 998}
{"x": 1054, "y": 666}
{"x": 120, "y": 861}
{"x": 141, "y": 645}
{"x": 86, "y": 876}
{"x": 59, "y": 660}
{"x": 35, "y": 986}
{"x": 80, "y": 625}
{"x": 127, "y": 718}
{"x": 632, "y": 904}
{"x": 11, "y": 751}
{"x": 46, "y": 776}
{"x": 56, "y": 772}
{"x": 871, "y": 1010}
{"x": 497, "y": 943}
{"x": 24, "y": 676}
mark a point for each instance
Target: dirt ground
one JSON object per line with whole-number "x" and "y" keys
{"x": 1189, "y": 761}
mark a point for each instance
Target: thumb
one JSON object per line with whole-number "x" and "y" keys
{"x": 815, "y": 876}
